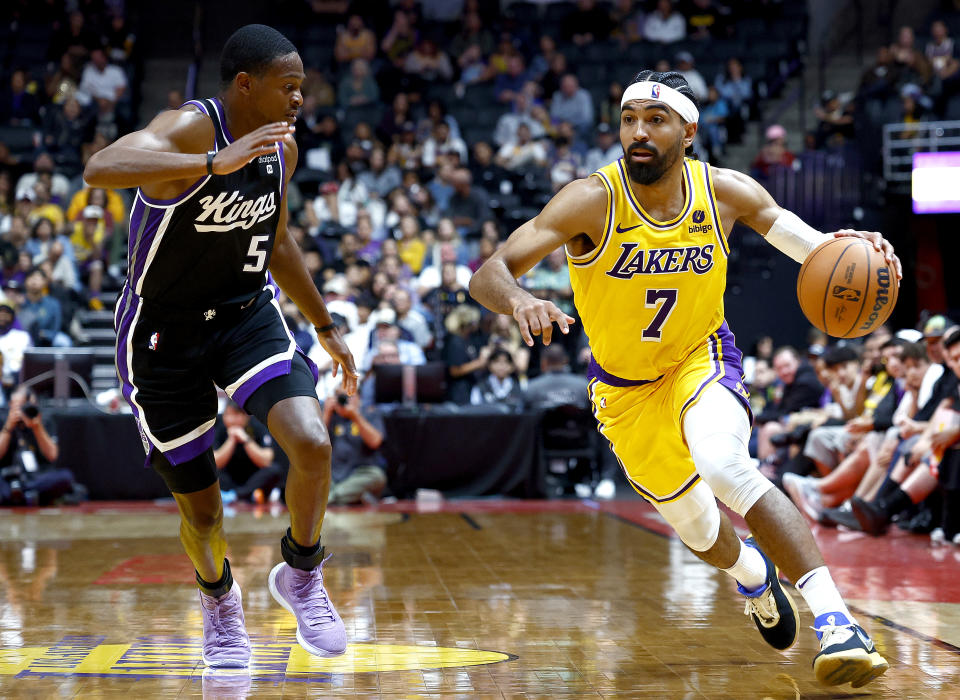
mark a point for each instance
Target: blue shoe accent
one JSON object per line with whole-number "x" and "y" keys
{"x": 752, "y": 594}
{"x": 833, "y": 619}
{"x": 772, "y": 608}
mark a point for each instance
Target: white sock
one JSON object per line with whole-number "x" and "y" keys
{"x": 750, "y": 571}
{"x": 823, "y": 598}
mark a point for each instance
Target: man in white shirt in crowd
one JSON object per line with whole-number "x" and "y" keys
{"x": 101, "y": 80}
{"x": 664, "y": 26}
{"x": 695, "y": 80}
{"x": 523, "y": 152}
{"x": 409, "y": 319}
{"x": 430, "y": 276}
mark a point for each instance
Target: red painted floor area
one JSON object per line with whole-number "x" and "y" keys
{"x": 895, "y": 567}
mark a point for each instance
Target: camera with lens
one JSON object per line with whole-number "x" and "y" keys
{"x": 342, "y": 399}
{"x": 30, "y": 410}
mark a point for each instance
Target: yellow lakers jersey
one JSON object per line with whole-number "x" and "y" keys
{"x": 652, "y": 291}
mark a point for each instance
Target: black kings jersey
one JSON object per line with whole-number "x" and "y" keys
{"x": 212, "y": 244}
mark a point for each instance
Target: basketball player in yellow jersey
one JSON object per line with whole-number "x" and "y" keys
{"x": 646, "y": 244}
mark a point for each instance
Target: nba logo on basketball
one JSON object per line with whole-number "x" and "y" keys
{"x": 154, "y": 340}
{"x": 655, "y": 91}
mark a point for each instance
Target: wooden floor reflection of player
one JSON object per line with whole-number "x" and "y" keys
{"x": 646, "y": 243}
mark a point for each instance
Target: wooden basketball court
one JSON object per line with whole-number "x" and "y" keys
{"x": 493, "y": 599}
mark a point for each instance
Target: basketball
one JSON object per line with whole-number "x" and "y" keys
{"x": 846, "y": 288}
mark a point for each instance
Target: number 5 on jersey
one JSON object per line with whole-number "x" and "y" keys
{"x": 664, "y": 300}
{"x": 259, "y": 257}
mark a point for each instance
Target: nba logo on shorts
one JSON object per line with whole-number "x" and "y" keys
{"x": 655, "y": 92}
{"x": 269, "y": 170}
{"x": 154, "y": 340}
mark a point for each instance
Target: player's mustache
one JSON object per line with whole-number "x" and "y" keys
{"x": 642, "y": 147}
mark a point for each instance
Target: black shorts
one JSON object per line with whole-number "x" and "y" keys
{"x": 170, "y": 363}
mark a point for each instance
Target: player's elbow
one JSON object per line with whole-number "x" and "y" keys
{"x": 96, "y": 171}
{"x": 476, "y": 283}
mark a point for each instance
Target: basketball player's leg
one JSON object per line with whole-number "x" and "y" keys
{"x": 196, "y": 491}
{"x": 297, "y": 425}
{"x": 716, "y": 429}
{"x": 708, "y": 532}
{"x": 289, "y": 406}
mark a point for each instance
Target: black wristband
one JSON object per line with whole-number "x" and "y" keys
{"x": 210, "y": 156}
{"x": 324, "y": 329}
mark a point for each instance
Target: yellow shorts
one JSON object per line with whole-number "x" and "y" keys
{"x": 643, "y": 420}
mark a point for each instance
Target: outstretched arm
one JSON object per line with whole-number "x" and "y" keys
{"x": 742, "y": 198}
{"x": 289, "y": 269}
{"x": 577, "y": 210}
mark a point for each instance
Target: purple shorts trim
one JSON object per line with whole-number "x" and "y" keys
{"x": 727, "y": 361}
{"x": 245, "y": 390}
{"x": 277, "y": 369}
{"x": 188, "y": 451}
{"x": 595, "y": 371}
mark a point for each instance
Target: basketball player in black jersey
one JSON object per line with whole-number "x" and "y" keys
{"x": 208, "y": 247}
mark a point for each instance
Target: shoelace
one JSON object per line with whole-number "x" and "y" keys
{"x": 831, "y": 634}
{"x": 228, "y": 606}
{"x": 317, "y": 608}
{"x": 764, "y": 607}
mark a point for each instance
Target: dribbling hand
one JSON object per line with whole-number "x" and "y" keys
{"x": 259, "y": 142}
{"x": 537, "y": 316}
{"x": 878, "y": 242}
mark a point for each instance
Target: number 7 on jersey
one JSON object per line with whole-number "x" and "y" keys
{"x": 664, "y": 300}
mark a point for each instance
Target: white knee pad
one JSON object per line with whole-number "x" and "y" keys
{"x": 717, "y": 431}
{"x": 694, "y": 516}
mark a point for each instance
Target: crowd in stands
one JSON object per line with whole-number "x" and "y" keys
{"x": 429, "y": 132}
{"x": 862, "y": 435}
{"x": 426, "y": 136}
{"x": 912, "y": 79}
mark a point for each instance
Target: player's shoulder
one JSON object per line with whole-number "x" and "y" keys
{"x": 729, "y": 181}
{"x": 188, "y": 129}
{"x": 585, "y": 192}
{"x": 732, "y": 186}
{"x": 581, "y": 201}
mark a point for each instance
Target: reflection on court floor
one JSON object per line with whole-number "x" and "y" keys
{"x": 469, "y": 599}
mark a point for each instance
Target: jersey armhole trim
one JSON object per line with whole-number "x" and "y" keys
{"x": 179, "y": 199}
{"x": 721, "y": 234}
{"x": 593, "y": 255}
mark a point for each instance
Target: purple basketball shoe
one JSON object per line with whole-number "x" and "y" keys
{"x": 319, "y": 628}
{"x": 225, "y": 640}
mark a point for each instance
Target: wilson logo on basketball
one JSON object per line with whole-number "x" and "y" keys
{"x": 883, "y": 296}
{"x": 846, "y": 293}
{"x": 230, "y": 211}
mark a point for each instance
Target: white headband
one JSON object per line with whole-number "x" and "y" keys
{"x": 681, "y": 104}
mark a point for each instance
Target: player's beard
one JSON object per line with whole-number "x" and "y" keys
{"x": 654, "y": 169}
